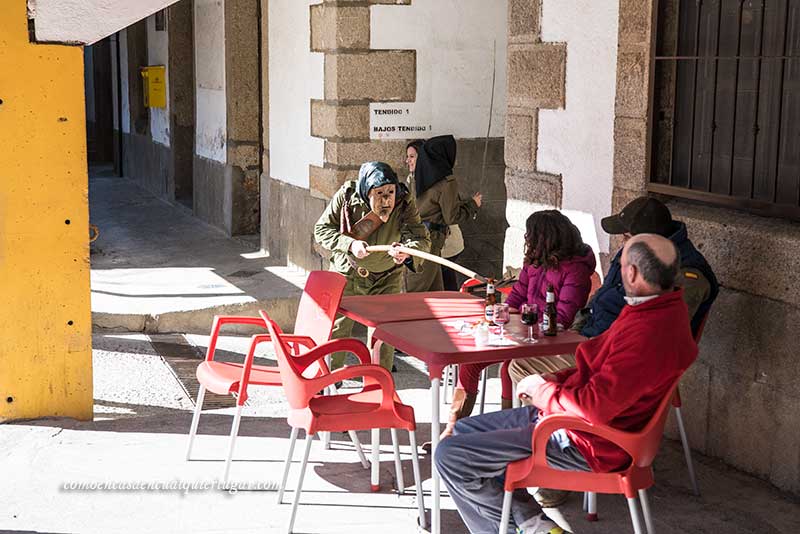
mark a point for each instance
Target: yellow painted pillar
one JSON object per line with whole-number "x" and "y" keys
{"x": 45, "y": 316}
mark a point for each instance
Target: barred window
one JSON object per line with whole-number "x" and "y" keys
{"x": 726, "y": 104}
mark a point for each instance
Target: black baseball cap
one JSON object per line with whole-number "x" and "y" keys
{"x": 644, "y": 215}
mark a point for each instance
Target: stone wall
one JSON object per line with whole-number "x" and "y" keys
{"x": 536, "y": 80}
{"x": 483, "y": 236}
{"x": 740, "y": 398}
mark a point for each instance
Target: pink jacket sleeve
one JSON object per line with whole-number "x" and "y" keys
{"x": 519, "y": 293}
{"x": 574, "y": 292}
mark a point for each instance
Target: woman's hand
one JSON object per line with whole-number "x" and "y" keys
{"x": 478, "y": 198}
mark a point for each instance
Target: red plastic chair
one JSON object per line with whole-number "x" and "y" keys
{"x": 376, "y": 406}
{"x": 641, "y": 446}
{"x": 314, "y": 323}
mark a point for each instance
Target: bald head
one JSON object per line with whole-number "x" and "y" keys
{"x": 650, "y": 265}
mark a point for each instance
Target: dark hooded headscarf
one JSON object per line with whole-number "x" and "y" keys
{"x": 435, "y": 160}
{"x": 376, "y": 174}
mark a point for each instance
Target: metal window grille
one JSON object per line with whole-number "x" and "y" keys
{"x": 726, "y": 107}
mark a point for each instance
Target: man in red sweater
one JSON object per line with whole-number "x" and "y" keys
{"x": 619, "y": 380}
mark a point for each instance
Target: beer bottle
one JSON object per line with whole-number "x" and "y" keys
{"x": 550, "y": 317}
{"x": 491, "y": 300}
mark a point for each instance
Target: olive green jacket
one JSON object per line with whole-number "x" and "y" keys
{"x": 441, "y": 204}
{"x": 404, "y": 226}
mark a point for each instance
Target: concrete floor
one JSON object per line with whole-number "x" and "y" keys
{"x": 142, "y": 416}
{"x": 155, "y": 268}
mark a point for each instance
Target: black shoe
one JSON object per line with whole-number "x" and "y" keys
{"x": 394, "y": 368}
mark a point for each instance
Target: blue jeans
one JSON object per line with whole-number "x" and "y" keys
{"x": 473, "y": 461}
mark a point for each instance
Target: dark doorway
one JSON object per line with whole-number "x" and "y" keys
{"x": 99, "y": 103}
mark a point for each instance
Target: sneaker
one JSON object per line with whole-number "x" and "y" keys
{"x": 550, "y": 498}
{"x": 540, "y": 524}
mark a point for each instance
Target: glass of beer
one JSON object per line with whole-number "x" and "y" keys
{"x": 529, "y": 315}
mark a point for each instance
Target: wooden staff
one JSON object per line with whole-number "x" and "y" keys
{"x": 429, "y": 257}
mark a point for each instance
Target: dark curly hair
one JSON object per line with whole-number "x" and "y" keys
{"x": 550, "y": 237}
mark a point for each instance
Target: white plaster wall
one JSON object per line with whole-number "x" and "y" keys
{"x": 123, "y": 65}
{"x": 578, "y": 141}
{"x": 158, "y": 54}
{"x": 211, "y": 110}
{"x": 88, "y": 21}
{"x": 296, "y": 75}
{"x": 454, "y": 40}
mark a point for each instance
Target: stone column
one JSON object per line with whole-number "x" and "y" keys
{"x": 354, "y": 77}
{"x": 536, "y": 80}
{"x": 242, "y": 73}
{"x": 631, "y": 132}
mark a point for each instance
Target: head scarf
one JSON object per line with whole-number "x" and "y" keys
{"x": 435, "y": 162}
{"x": 375, "y": 174}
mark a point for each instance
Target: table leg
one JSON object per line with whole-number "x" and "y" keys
{"x": 435, "y": 523}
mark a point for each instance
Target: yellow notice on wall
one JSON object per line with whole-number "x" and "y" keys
{"x": 155, "y": 86}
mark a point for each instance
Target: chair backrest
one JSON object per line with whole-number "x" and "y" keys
{"x": 294, "y": 386}
{"x": 647, "y": 441}
{"x": 318, "y": 305}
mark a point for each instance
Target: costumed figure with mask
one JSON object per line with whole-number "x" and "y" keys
{"x": 439, "y": 204}
{"x": 374, "y": 210}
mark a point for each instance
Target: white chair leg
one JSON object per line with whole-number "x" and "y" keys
{"x": 299, "y": 490}
{"x": 198, "y": 407}
{"x": 375, "y": 479}
{"x": 234, "y": 432}
{"x": 398, "y": 465}
{"x": 287, "y": 464}
{"x": 634, "y": 510}
{"x": 687, "y": 452}
{"x": 648, "y": 519}
{"x": 484, "y": 374}
{"x": 412, "y": 438}
{"x": 591, "y": 506}
{"x": 506, "y": 513}
{"x": 359, "y": 450}
{"x": 585, "y": 501}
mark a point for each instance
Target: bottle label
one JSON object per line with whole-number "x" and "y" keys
{"x": 489, "y": 313}
{"x": 545, "y": 322}
{"x": 489, "y": 288}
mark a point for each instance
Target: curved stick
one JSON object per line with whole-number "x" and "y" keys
{"x": 429, "y": 257}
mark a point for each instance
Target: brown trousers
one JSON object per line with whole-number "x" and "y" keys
{"x": 523, "y": 367}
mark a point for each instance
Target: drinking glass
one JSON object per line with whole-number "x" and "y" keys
{"x": 529, "y": 315}
{"x": 501, "y": 317}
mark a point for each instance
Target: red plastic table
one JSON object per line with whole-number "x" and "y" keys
{"x": 439, "y": 344}
{"x": 374, "y": 310}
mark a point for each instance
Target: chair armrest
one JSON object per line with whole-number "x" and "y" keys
{"x": 380, "y": 375}
{"x": 549, "y": 424}
{"x": 335, "y": 345}
{"x": 220, "y": 320}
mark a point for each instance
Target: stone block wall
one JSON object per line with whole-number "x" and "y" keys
{"x": 740, "y": 398}
{"x": 355, "y": 75}
{"x": 536, "y": 80}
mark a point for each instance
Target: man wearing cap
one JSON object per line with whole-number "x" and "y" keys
{"x": 643, "y": 215}
{"x": 374, "y": 210}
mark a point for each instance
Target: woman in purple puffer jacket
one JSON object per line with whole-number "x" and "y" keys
{"x": 555, "y": 254}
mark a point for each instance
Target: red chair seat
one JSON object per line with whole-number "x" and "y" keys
{"x": 223, "y": 378}
{"x": 353, "y": 411}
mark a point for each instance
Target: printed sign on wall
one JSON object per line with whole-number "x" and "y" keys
{"x": 398, "y": 121}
